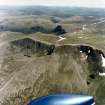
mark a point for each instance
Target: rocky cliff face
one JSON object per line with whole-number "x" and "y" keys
{"x": 30, "y": 47}
{"x": 49, "y": 69}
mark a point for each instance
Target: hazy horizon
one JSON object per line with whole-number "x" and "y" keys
{"x": 68, "y": 3}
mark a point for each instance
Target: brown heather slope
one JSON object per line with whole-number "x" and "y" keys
{"x": 32, "y": 68}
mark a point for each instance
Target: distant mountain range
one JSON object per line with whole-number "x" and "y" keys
{"x": 52, "y": 11}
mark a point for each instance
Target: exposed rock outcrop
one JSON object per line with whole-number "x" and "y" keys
{"x": 31, "y": 47}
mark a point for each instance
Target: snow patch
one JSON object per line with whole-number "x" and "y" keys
{"x": 101, "y": 74}
{"x": 86, "y": 56}
{"x": 81, "y": 51}
{"x": 84, "y": 27}
{"x": 61, "y": 38}
{"x": 103, "y": 61}
{"x": 88, "y": 51}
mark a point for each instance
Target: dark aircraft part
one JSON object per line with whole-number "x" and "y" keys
{"x": 64, "y": 99}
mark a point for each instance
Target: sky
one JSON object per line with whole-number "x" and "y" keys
{"x": 79, "y": 3}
